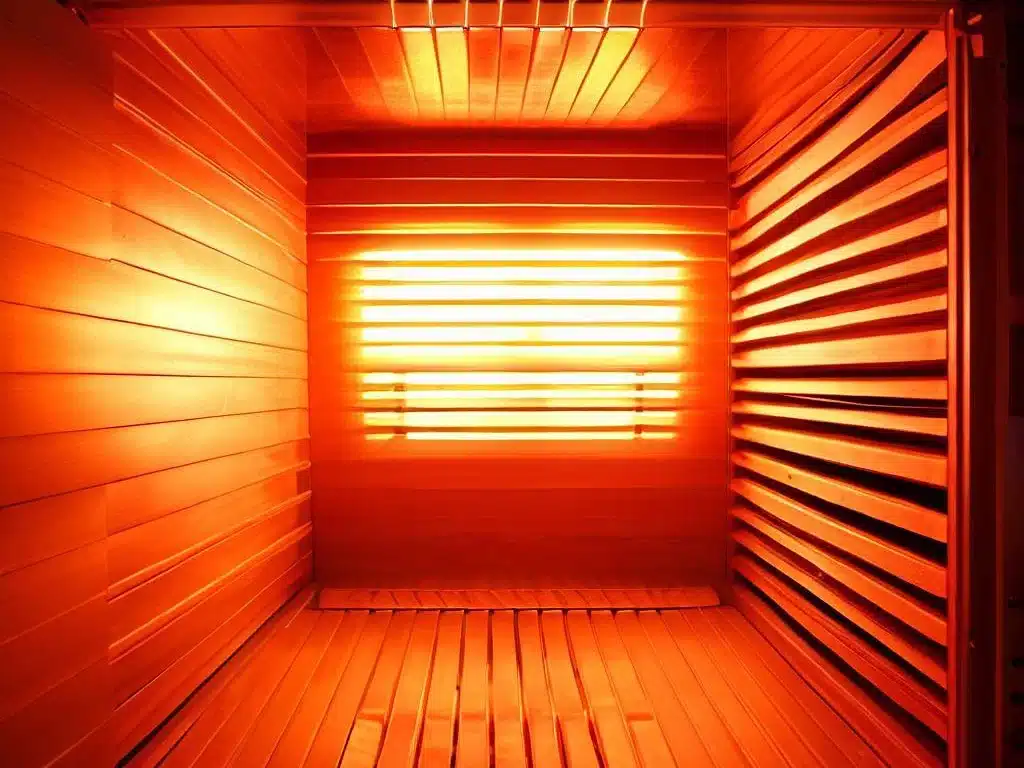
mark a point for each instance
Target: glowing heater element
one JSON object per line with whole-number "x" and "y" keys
{"x": 523, "y": 345}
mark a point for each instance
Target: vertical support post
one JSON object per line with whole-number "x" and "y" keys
{"x": 978, "y": 394}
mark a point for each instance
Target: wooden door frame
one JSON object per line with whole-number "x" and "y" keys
{"x": 978, "y": 384}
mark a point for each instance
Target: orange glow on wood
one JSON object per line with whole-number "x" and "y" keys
{"x": 510, "y": 311}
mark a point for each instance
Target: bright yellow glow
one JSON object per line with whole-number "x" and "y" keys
{"x": 618, "y": 396}
{"x": 492, "y": 419}
{"x": 498, "y": 256}
{"x": 605, "y": 354}
{"x": 499, "y": 292}
{"x": 523, "y": 436}
{"x": 447, "y": 335}
{"x": 513, "y": 274}
{"x": 600, "y": 329}
{"x": 511, "y": 313}
{"x": 517, "y": 378}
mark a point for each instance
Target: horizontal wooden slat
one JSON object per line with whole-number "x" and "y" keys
{"x": 146, "y": 191}
{"x": 879, "y": 671}
{"x": 513, "y": 166}
{"x": 868, "y": 547}
{"x": 789, "y": 111}
{"x": 708, "y": 221}
{"x": 143, "y": 81}
{"x": 39, "y": 592}
{"x": 892, "y": 600}
{"x": 50, "y": 654}
{"x": 871, "y": 419}
{"x": 136, "y": 667}
{"x": 901, "y": 348}
{"x": 881, "y": 506}
{"x": 926, "y": 660}
{"x": 335, "y": 598}
{"x": 147, "y": 245}
{"x": 914, "y": 309}
{"x": 121, "y": 292}
{"x": 44, "y": 403}
{"x": 926, "y": 114}
{"x": 911, "y": 388}
{"x": 887, "y": 275}
{"x": 896, "y": 237}
{"x": 35, "y": 531}
{"x": 169, "y": 154}
{"x": 495, "y": 191}
{"x": 926, "y": 56}
{"x": 915, "y": 178}
{"x": 888, "y": 734}
{"x": 137, "y": 614}
{"x": 83, "y": 228}
{"x": 93, "y": 345}
{"x": 140, "y": 714}
{"x": 895, "y": 461}
{"x": 143, "y": 552}
{"x": 38, "y": 144}
{"x": 85, "y": 456}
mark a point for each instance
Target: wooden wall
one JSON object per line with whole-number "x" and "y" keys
{"x": 154, "y": 501}
{"x": 398, "y": 514}
{"x": 839, "y": 311}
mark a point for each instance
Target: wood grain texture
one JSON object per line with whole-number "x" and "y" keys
{"x": 416, "y": 75}
{"x": 155, "y": 500}
{"x": 402, "y": 514}
{"x": 840, "y": 309}
{"x": 344, "y": 687}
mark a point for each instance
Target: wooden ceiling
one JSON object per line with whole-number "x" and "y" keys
{"x": 622, "y": 76}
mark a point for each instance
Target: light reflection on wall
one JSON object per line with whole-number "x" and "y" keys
{"x": 525, "y": 345}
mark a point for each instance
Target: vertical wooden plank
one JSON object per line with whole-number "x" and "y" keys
{"x": 756, "y": 745}
{"x": 263, "y": 737}
{"x": 218, "y": 732}
{"x": 509, "y": 742}
{"x": 424, "y": 72}
{"x": 615, "y": 47}
{"x": 474, "y": 695}
{"x": 334, "y": 730}
{"x": 649, "y": 47}
{"x": 573, "y": 722}
{"x": 601, "y": 703}
{"x": 513, "y": 70}
{"x": 403, "y": 728}
{"x": 384, "y": 51}
{"x": 540, "y": 720}
{"x": 453, "y": 60}
{"x": 298, "y": 737}
{"x": 437, "y": 743}
{"x": 549, "y": 49}
{"x": 724, "y": 744}
{"x": 579, "y": 54}
{"x": 484, "y": 45}
{"x": 364, "y": 742}
{"x": 629, "y": 654}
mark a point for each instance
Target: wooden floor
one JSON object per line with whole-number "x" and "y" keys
{"x": 578, "y": 688}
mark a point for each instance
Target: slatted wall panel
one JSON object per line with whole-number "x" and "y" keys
{"x": 154, "y": 496}
{"x": 839, "y": 299}
{"x": 500, "y": 513}
{"x": 209, "y": 523}
{"x": 56, "y": 184}
{"x": 519, "y": 74}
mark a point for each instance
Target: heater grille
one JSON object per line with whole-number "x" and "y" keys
{"x": 520, "y": 344}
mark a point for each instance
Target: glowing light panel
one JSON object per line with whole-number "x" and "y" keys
{"x": 522, "y": 345}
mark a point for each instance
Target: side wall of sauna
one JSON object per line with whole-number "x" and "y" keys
{"x": 839, "y": 351}
{"x": 154, "y": 499}
{"x": 584, "y": 514}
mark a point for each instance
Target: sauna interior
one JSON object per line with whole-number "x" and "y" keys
{"x": 503, "y": 384}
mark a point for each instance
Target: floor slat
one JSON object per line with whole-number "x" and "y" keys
{"x": 580, "y": 686}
